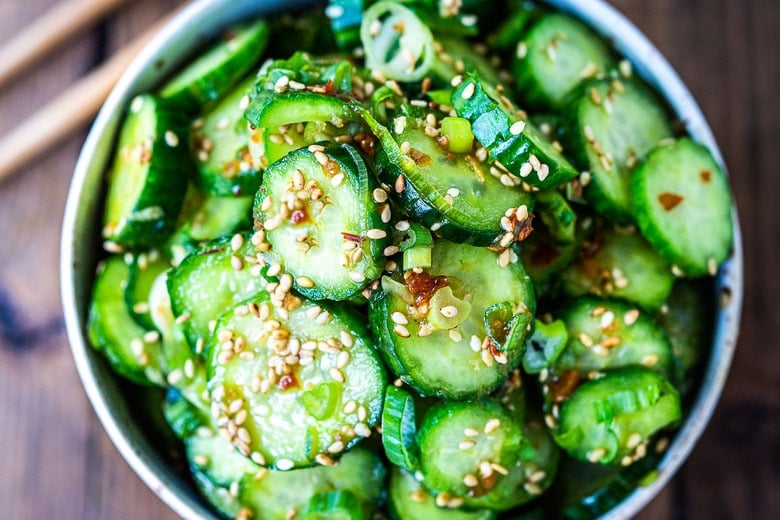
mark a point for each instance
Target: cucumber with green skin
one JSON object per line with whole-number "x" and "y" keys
{"x": 318, "y": 211}
{"x": 212, "y": 74}
{"x": 454, "y": 354}
{"x": 556, "y": 54}
{"x": 300, "y": 380}
{"x": 113, "y": 330}
{"x": 678, "y": 191}
{"x": 608, "y": 127}
{"x": 148, "y": 177}
{"x": 510, "y": 139}
{"x": 449, "y": 192}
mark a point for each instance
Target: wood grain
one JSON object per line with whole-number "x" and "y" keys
{"x": 55, "y": 459}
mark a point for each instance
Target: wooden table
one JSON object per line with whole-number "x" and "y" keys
{"x": 55, "y": 459}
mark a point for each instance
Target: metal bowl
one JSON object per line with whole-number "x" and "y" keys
{"x": 80, "y": 248}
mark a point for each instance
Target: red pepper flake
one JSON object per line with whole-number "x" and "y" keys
{"x": 423, "y": 286}
{"x": 287, "y": 381}
{"x": 563, "y": 385}
{"x": 298, "y": 216}
{"x": 353, "y": 238}
{"x": 706, "y": 176}
{"x": 420, "y": 158}
{"x": 669, "y": 200}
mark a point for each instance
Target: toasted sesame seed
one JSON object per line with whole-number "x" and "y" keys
{"x": 517, "y": 128}
{"x": 492, "y": 425}
{"x": 596, "y": 455}
{"x": 466, "y": 445}
{"x": 376, "y": 234}
{"x": 650, "y": 360}
{"x": 468, "y": 91}
{"x": 379, "y": 195}
{"x": 362, "y": 430}
{"x": 633, "y": 440}
{"x": 391, "y": 250}
{"x": 284, "y": 464}
{"x": 400, "y": 183}
{"x": 532, "y": 488}
{"x": 337, "y": 180}
{"x": 401, "y": 331}
{"x": 357, "y": 276}
{"x": 499, "y": 468}
{"x": 522, "y": 50}
{"x": 470, "y": 480}
{"x": 537, "y": 476}
{"x": 630, "y": 317}
{"x": 475, "y": 343}
{"x": 399, "y": 318}
{"x": 336, "y": 375}
{"x": 449, "y": 311}
{"x": 585, "y": 340}
{"x": 712, "y": 266}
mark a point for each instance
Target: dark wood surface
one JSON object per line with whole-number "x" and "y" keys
{"x": 55, "y": 459}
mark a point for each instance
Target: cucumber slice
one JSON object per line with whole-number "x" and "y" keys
{"x": 612, "y": 418}
{"x": 619, "y": 263}
{"x": 144, "y": 270}
{"x": 334, "y": 505}
{"x": 606, "y": 334}
{"x": 275, "y": 494}
{"x": 409, "y": 500}
{"x": 454, "y": 194}
{"x": 300, "y": 383}
{"x": 682, "y": 205}
{"x": 467, "y": 450}
{"x": 148, "y": 178}
{"x": 554, "y": 57}
{"x": 213, "y": 73}
{"x": 609, "y": 127}
{"x": 514, "y": 143}
{"x": 432, "y": 331}
{"x": 211, "y": 280}
{"x": 130, "y": 351}
{"x": 399, "y": 428}
{"x": 687, "y": 319}
{"x": 317, "y": 209}
{"x": 220, "y": 145}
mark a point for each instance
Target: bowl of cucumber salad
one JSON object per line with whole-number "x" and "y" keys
{"x": 418, "y": 259}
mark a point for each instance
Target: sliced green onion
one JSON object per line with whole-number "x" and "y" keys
{"x": 416, "y": 247}
{"x": 458, "y": 132}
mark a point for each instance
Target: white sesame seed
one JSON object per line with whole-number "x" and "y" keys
{"x": 357, "y": 276}
{"x": 337, "y": 180}
{"x": 390, "y": 250}
{"x": 492, "y": 425}
{"x": 379, "y": 195}
{"x": 284, "y": 464}
{"x": 305, "y": 282}
{"x": 468, "y": 91}
{"x": 522, "y": 50}
{"x": 449, "y": 311}
{"x": 466, "y": 445}
{"x": 376, "y": 234}
{"x": 596, "y": 455}
{"x": 402, "y": 331}
{"x": 362, "y": 430}
{"x": 517, "y": 128}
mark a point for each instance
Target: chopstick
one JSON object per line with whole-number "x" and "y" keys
{"x": 70, "y": 110}
{"x": 47, "y": 32}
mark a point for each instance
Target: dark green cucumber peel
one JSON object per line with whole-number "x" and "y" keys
{"x": 317, "y": 210}
{"x": 609, "y": 126}
{"x": 679, "y": 191}
{"x": 511, "y": 141}
{"x": 554, "y": 56}
{"x": 148, "y": 177}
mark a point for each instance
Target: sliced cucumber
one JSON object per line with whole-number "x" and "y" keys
{"x": 619, "y": 263}
{"x": 467, "y": 450}
{"x": 399, "y": 429}
{"x": 300, "y": 383}
{"x": 448, "y": 192}
{"x": 611, "y": 419}
{"x": 609, "y": 127}
{"x": 318, "y": 211}
{"x": 211, "y": 280}
{"x": 556, "y": 54}
{"x": 213, "y": 73}
{"x": 148, "y": 178}
{"x": 511, "y": 141}
{"x": 220, "y": 145}
{"x": 144, "y": 270}
{"x": 456, "y": 329}
{"x": 605, "y": 334}
{"x": 682, "y": 205}
{"x": 408, "y": 499}
{"x": 112, "y": 329}
{"x": 278, "y": 495}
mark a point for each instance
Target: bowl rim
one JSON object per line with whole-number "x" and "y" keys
{"x": 605, "y": 19}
